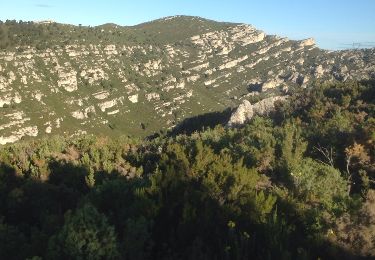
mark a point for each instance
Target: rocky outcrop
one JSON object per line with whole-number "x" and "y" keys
{"x": 110, "y": 50}
{"x": 271, "y": 84}
{"x": 107, "y": 104}
{"x": 101, "y": 95}
{"x": 245, "y": 111}
{"x": 307, "y": 42}
{"x": 267, "y": 105}
{"x": 82, "y": 114}
{"x": 133, "y": 98}
{"x": 19, "y": 133}
{"x": 246, "y": 34}
{"x": 319, "y": 71}
{"x": 152, "y": 96}
{"x": 67, "y": 80}
{"x": 94, "y": 75}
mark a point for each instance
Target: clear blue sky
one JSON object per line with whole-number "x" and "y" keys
{"x": 330, "y": 22}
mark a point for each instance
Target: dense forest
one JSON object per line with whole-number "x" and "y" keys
{"x": 298, "y": 184}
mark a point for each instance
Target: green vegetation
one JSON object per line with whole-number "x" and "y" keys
{"x": 297, "y": 185}
{"x": 18, "y": 34}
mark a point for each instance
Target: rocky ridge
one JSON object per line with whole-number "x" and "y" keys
{"x": 155, "y": 80}
{"x": 245, "y": 111}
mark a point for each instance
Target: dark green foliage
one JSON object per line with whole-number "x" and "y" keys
{"x": 299, "y": 185}
{"x": 11, "y": 239}
{"x": 85, "y": 235}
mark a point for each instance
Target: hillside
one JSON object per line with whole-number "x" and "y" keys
{"x": 58, "y": 79}
{"x": 298, "y": 184}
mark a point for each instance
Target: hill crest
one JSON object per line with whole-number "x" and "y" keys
{"x": 57, "y": 79}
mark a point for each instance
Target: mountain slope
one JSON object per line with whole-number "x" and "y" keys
{"x": 113, "y": 80}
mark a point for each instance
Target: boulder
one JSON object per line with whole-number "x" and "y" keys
{"x": 246, "y": 111}
{"x": 243, "y": 113}
{"x": 267, "y": 105}
{"x": 307, "y": 42}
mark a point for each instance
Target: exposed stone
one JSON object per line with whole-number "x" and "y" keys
{"x": 94, "y": 75}
{"x": 243, "y": 113}
{"x": 307, "y": 42}
{"x": 24, "y": 79}
{"x": 233, "y": 63}
{"x": 246, "y": 111}
{"x": 267, "y": 105}
{"x": 200, "y": 67}
{"x": 38, "y": 96}
{"x": 18, "y": 134}
{"x": 133, "y": 98}
{"x": 58, "y": 122}
{"x": 181, "y": 85}
{"x": 6, "y": 100}
{"x": 319, "y": 71}
{"x": 110, "y": 50}
{"x": 79, "y": 114}
{"x": 297, "y": 78}
{"x": 48, "y": 129}
{"x": 193, "y": 78}
{"x": 8, "y": 139}
{"x": 17, "y": 98}
{"x": 68, "y": 80}
{"x": 246, "y": 34}
{"x": 113, "y": 112}
{"x": 152, "y": 96}
{"x": 108, "y": 104}
{"x": 271, "y": 84}
{"x": 101, "y": 95}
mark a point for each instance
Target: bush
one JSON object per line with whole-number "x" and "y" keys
{"x": 320, "y": 183}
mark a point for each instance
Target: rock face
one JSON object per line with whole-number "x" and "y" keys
{"x": 68, "y": 80}
{"x": 90, "y": 79}
{"x": 307, "y": 42}
{"x": 133, "y": 98}
{"x": 267, "y": 105}
{"x": 271, "y": 84}
{"x": 245, "y": 111}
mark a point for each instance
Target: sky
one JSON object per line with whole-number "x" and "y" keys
{"x": 335, "y": 24}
